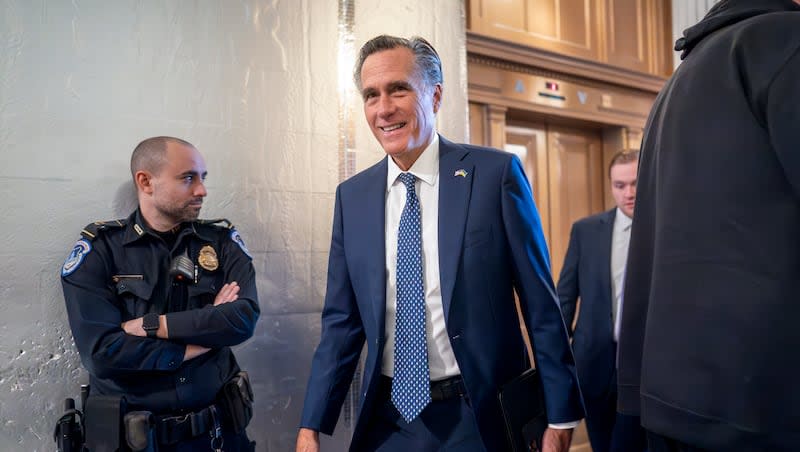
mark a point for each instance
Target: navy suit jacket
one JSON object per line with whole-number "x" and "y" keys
{"x": 490, "y": 242}
{"x": 587, "y": 274}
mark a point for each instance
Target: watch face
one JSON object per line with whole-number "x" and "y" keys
{"x": 150, "y": 322}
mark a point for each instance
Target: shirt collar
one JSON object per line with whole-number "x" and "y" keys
{"x": 137, "y": 229}
{"x": 622, "y": 221}
{"x": 426, "y": 168}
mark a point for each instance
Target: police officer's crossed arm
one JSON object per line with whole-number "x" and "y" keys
{"x": 135, "y": 327}
{"x": 225, "y": 323}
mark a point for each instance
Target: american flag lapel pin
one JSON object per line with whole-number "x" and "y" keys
{"x": 460, "y": 172}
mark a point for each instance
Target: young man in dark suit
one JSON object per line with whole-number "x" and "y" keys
{"x": 592, "y": 272}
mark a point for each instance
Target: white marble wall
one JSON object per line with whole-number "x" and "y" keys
{"x": 252, "y": 83}
{"x": 686, "y": 13}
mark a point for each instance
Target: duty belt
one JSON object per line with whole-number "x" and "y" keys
{"x": 174, "y": 429}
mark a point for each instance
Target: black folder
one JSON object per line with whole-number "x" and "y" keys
{"x": 522, "y": 402}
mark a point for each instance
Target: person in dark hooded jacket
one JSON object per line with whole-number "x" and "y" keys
{"x": 710, "y": 338}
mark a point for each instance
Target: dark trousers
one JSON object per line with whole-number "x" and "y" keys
{"x": 231, "y": 443}
{"x": 610, "y": 431}
{"x": 445, "y": 425}
{"x": 628, "y": 435}
{"x": 659, "y": 443}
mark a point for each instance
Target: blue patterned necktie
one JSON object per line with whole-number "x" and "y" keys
{"x": 411, "y": 387}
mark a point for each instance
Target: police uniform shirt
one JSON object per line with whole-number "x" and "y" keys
{"x": 119, "y": 271}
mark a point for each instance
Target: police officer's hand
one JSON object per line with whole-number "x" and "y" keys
{"x": 307, "y": 440}
{"x": 228, "y": 293}
{"x": 134, "y": 327}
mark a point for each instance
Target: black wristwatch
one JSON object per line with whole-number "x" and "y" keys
{"x": 150, "y": 324}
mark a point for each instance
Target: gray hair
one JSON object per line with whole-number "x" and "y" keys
{"x": 149, "y": 155}
{"x": 427, "y": 61}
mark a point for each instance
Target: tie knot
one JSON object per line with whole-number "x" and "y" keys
{"x": 408, "y": 180}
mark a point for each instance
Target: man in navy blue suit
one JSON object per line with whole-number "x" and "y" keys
{"x": 428, "y": 247}
{"x": 592, "y": 271}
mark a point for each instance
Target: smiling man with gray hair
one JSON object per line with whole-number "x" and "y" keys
{"x": 427, "y": 250}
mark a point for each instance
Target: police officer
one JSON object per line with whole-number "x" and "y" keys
{"x": 155, "y": 302}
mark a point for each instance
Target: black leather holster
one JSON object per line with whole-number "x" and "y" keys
{"x": 236, "y": 401}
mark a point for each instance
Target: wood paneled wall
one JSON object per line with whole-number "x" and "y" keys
{"x": 628, "y": 34}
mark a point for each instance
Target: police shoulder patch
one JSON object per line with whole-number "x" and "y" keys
{"x": 238, "y": 239}
{"x": 79, "y": 251}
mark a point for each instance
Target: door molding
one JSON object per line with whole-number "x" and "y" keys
{"x": 526, "y": 56}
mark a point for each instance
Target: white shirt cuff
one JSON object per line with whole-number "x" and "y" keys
{"x": 564, "y": 425}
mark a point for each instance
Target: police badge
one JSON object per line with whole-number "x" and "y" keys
{"x": 208, "y": 258}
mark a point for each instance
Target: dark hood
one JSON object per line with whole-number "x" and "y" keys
{"x": 727, "y": 12}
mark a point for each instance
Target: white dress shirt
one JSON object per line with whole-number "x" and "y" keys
{"x": 441, "y": 359}
{"x": 618, "y": 321}
{"x": 620, "y": 238}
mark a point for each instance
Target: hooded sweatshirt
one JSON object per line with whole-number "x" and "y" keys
{"x": 709, "y": 352}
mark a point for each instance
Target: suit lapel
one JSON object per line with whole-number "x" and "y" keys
{"x": 606, "y": 242}
{"x": 455, "y": 186}
{"x": 372, "y": 236}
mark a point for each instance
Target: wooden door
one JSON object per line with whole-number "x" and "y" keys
{"x": 565, "y": 168}
{"x": 530, "y": 145}
{"x": 575, "y": 159}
